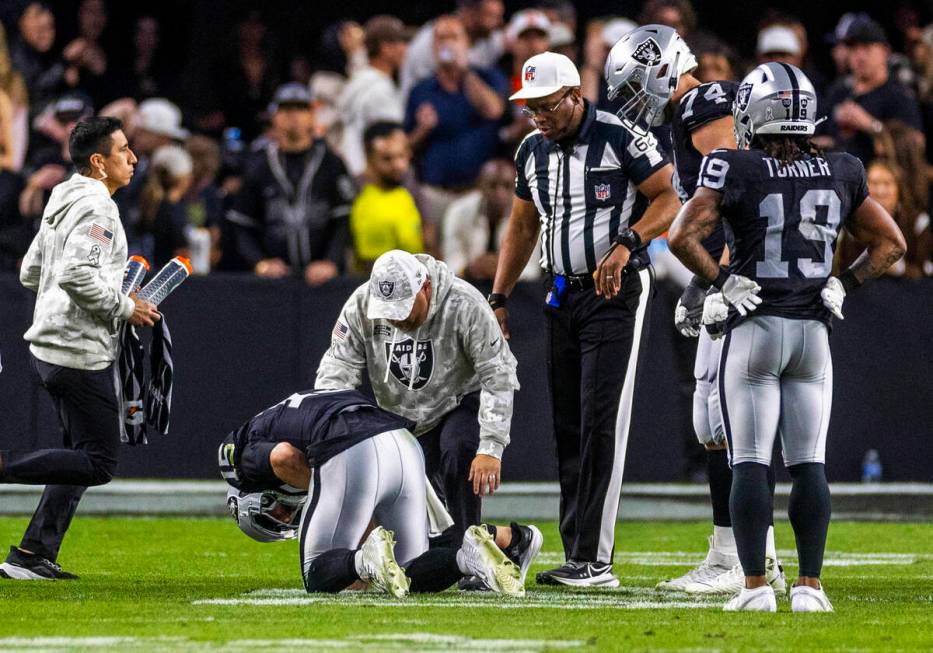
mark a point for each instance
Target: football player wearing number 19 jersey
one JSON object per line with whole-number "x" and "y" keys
{"x": 650, "y": 69}
{"x": 784, "y": 202}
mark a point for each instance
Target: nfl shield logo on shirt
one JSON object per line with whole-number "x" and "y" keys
{"x": 529, "y": 73}
{"x": 602, "y": 191}
{"x": 386, "y": 288}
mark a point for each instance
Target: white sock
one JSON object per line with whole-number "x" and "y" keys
{"x": 724, "y": 540}
{"x": 358, "y": 563}
{"x": 770, "y": 550}
{"x": 461, "y": 563}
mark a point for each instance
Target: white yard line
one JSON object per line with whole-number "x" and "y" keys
{"x": 625, "y": 598}
{"x": 381, "y": 642}
{"x": 678, "y": 558}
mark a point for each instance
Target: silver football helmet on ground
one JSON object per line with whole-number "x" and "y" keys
{"x": 267, "y": 516}
{"x": 643, "y": 70}
{"x": 775, "y": 98}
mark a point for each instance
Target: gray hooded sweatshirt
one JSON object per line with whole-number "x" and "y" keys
{"x": 75, "y": 265}
{"x": 423, "y": 375}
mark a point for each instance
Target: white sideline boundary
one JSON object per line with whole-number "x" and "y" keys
{"x": 530, "y": 501}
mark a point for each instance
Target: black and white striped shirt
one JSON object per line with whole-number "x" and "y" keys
{"x": 586, "y": 193}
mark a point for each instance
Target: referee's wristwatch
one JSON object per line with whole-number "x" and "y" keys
{"x": 629, "y": 239}
{"x": 496, "y": 300}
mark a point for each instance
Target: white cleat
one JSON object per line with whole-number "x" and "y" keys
{"x": 716, "y": 563}
{"x": 807, "y": 599}
{"x": 760, "y": 599}
{"x": 487, "y": 561}
{"x": 378, "y": 565}
{"x": 733, "y": 581}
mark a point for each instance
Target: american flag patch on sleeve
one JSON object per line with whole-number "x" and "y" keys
{"x": 341, "y": 330}
{"x": 100, "y": 234}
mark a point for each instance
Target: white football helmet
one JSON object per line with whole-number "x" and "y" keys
{"x": 775, "y": 98}
{"x": 643, "y": 69}
{"x": 267, "y": 516}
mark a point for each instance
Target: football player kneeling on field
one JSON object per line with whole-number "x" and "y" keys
{"x": 360, "y": 464}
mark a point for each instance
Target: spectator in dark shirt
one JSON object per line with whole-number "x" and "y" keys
{"x": 246, "y": 77}
{"x": 453, "y": 119}
{"x": 163, "y": 223}
{"x": 290, "y": 216}
{"x": 859, "y": 105}
{"x": 32, "y": 55}
{"x": 49, "y": 161}
{"x": 86, "y": 61}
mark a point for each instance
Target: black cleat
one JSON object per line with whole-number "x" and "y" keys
{"x": 31, "y": 566}
{"x": 472, "y": 584}
{"x": 525, "y": 550}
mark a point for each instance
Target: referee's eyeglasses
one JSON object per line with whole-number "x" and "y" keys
{"x": 541, "y": 111}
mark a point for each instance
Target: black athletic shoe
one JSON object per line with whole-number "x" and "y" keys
{"x": 547, "y": 577}
{"x": 584, "y": 574}
{"x": 30, "y": 566}
{"x": 472, "y": 584}
{"x": 525, "y": 548}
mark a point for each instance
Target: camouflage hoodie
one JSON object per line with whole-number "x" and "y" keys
{"x": 75, "y": 264}
{"x": 423, "y": 375}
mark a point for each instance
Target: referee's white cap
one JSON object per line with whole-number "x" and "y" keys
{"x": 396, "y": 278}
{"x": 546, "y": 73}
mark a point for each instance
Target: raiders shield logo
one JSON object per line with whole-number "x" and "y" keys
{"x": 386, "y": 288}
{"x": 742, "y": 96}
{"x": 602, "y": 191}
{"x": 648, "y": 52}
{"x": 409, "y": 358}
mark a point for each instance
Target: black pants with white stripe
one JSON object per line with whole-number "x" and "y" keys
{"x": 592, "y": 358}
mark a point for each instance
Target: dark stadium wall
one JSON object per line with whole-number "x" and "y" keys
{"x": 242, "y": 344}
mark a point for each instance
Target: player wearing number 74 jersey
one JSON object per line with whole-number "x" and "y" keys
{"x": 784, "y": 202}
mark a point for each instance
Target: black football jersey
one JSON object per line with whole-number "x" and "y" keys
{"x": 703, "y": 104}
{"x": 322, "y": 423}
{"x": 784, "y": 220}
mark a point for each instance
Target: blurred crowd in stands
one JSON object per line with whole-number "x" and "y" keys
{"x": 396, "y": 136}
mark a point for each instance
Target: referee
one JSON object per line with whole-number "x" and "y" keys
{"x": 599, "y": 193}
{"x": 75, "y": 265}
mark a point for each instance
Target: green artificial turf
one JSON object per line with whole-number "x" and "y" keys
{"x": 198, "y": 584}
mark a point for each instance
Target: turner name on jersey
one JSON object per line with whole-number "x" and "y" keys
{"x": 785, "y": 219}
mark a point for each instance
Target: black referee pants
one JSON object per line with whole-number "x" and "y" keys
{"x": 87, "y": 408}
{"x": 592, "y": 356}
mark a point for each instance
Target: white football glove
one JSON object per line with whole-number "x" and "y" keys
{"x": 683, "y": 321}
{"x": 742, "y": 293}
{"x": 833, "y": 294}
{"x": 715, "y": 312}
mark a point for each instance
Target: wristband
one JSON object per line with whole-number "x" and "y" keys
{"x": 849, "y": 281}
{"x": 699, "y": 282}
{"x": 720, "y": 279}
{"x": 496, "y": 300}
{"x": 629, "y": 239}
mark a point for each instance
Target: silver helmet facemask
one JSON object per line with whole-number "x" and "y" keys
{"x": 643, "y": 70}
{"x": 253, "y": 513}
{"x": 775, "y": 98}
